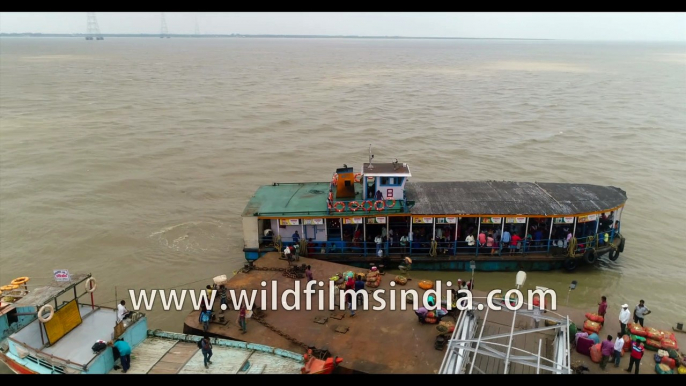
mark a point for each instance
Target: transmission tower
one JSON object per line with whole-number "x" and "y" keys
{"x": 93, "y": 31}
{"x": 164, "y": 33}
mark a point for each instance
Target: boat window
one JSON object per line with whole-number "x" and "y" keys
{"x": 392, "y": 181}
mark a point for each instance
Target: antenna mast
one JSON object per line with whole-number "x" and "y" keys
{"x": 370, "y": 157}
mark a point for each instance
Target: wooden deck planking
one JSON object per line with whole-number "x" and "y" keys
{"x": 224, "y": 360}
{"x": 175, "y": 358}
{"x": 146, "y": 355}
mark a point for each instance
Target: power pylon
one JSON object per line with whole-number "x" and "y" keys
{"x": 93, "y": 31}
{"x": 164, "y": 33}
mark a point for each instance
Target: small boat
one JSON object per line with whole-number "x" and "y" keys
{"x": 377, "y": 215}
{"x": 38, "y": 335}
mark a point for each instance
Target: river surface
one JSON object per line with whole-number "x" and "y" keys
{"x": 132, "y": 159}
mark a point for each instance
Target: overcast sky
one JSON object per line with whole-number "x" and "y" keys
{"x": 572, "y": 26}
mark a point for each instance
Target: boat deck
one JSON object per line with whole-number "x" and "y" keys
{"x": 157, "y": 355}
{"x": 75, "y": 346}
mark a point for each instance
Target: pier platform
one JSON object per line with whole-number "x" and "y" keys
{"x": 385, "y": 341}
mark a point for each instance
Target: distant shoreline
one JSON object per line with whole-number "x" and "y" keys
{"x": 83, "y": 36}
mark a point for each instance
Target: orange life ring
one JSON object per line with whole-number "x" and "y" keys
{"x": 20, "y": 280}
{"x": 379, "y": 205}
{"x": 367, "y": 205}
{"x": 392, "y": 204}
{"x": 358, "y": 177}
{"x": 339, "y": 206}
{"x": 353, "y": 205}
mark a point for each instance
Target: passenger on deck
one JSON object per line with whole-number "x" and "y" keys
{"x": 470, "y": 242}
{"x": 296, "y": 237}
{"x": 122, "y": 313}
{"x": 514, "y": 244}
{"x": 403, "y": 244}
{"x": 482, "y": 239}
{"x": 124, "y": 352}
{"x": 379, "y": 195}
{"x": 490, "y": 241}
{"x": 378, "y": 240}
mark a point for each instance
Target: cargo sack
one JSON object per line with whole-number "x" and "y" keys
{"x": 652, "y": 345}
{"x": 682, "y": 370}
{"x": 596, "y": 354}
{"x": 669, "y": 362}
{"x": 653, "y": 333}
{"x": 627, "y": 342}
{"x": 636, "y": 329}
{"x": 658, "y": 358}
{"x": 667, "y": 344}
{"x": 594, "y": 317}
{"x": 662, "y": 368}
{"x": 591, "y": 326}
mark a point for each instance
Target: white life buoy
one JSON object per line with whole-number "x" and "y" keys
{"x": 88, "y": 284}
{"x": 42, "y": 310}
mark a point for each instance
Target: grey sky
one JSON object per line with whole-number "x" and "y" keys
{"x": 572, "y": 26}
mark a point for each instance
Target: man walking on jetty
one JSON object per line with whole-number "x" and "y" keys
{"x": 607, "y": 348}
{"x": 624, "y": 317}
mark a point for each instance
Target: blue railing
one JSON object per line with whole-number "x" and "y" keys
{"x": 446, "y": 248}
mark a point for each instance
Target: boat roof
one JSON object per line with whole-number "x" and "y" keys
{"x": 486, "y": 198}
{"x": 43, "y": 295}
{"x": 386, "y": 169}
{"x": 511, "y": 198}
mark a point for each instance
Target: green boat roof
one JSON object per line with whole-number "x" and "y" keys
{"x": 303, "y": 199}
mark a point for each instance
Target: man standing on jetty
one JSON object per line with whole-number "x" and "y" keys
{"x": 640, "y": 312}
{"x": 636, "y": 355}
{"x": 624, "y": 317}
{"x": 602, "y": 308}
{"x": 607, "y": 348}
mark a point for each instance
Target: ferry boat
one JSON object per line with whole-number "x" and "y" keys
{"x": 40, "y": 335}
{"x": 377, "y": 215}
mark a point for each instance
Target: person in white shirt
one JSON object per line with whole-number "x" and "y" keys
{"x": 470, "y": 242}
{"x": 624, "y": 317}
{"x": 619, "y": 345}
{"x": 122, "y": 313}
{"x": 378, "y": 240}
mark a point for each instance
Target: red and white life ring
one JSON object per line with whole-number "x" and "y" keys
{"x": 358, "y": 177}
{"x": 353, "y": 206}
{"x": 367, "y": 205}
{"x": 339, "y": 206}
{"x": 379, "y": 205}
{"x": 392, "y": 204}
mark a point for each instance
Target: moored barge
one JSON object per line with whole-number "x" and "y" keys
{"x": 378, "y": 215}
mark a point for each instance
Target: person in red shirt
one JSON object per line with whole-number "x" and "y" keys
{"x": 602, "y": 308}
{"x": 514, "y": 243}
{"x": 637, "y": 350}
